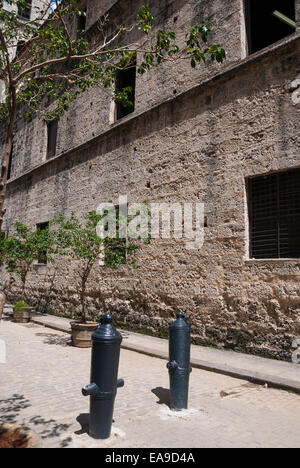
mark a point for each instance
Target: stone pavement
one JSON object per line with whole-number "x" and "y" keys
{"x": 255, "y": 369}
{"x": 40, "y": 386}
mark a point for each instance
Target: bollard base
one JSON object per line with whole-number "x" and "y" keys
{"x": 101, "y": 417}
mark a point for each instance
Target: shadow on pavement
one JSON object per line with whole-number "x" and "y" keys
{"x": 6, "y": 318}
{"x": 11, "y": 407}
{"x": 53, "y": 339}
{"x": 50, "y": 428}
{"x": 83, "y": 419}
{"x": 10, "y": 413}
{"x": 163, "y": 394}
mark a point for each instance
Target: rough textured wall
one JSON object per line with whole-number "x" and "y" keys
{"x": 198, "y": 147}
{"x": 97, "y": 8}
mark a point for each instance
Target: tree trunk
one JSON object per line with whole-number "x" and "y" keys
{"x": 84, "y": 279}
{"x": 3, "y": 294}
{"x": 83, "y": 301}
{"x": 7, "y": 154}
{"x": 23, "y": 279}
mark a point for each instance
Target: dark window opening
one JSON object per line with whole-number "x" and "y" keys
{"x": 115, "y": 250}
{"x": 274, "y": 212}
{"x": 81, "y": 23}
{"x": 268, "y": 22}
{"x": 52, "y": 138}
{"x": 42, "y": 258}
{"x": 20, "y": 46}
{"x": 25, "y": 10}
{"x": 10, "y": 163}
{"x": 126, "y": 78}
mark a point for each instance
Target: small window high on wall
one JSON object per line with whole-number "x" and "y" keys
{"x": 52, "y": 138}
{"x": 81, "y": 21}
{"x": 268, "y": 21}
{"x": 42, "y": 259}
{"x": 274, "y": 215}
{"x": 24, "y": 10}
{"x": 126, "y": 78}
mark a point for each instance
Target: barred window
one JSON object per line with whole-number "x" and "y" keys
{"x": 274, "y": 215}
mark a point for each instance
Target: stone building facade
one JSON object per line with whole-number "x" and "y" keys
{"x": 30, "y": 14}
{"x": 223, "y": 135}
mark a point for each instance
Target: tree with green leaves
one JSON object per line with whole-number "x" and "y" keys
{"x": 55, "y": 65}
{"x": 82, "y": 242}
{"x": 24, "y": 248}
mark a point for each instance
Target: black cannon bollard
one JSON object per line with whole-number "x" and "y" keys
{"x": 179, "y": 365}
{"x": 106, "y": 342}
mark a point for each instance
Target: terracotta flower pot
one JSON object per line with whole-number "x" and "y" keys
{"x": 22, "y": 316}
{"x": 82, "y": 333}
{"x": 13, "y": 436}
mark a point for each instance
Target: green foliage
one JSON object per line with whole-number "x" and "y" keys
{"x": 81, "y": 241}
{"x": 145, "y": 20}
{"x": 20, "y": 306}
{"x": 56, "y": 65}
{"x": 25, "y": 247}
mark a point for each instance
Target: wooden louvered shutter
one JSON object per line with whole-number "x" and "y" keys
{"x": 274, "y": 209}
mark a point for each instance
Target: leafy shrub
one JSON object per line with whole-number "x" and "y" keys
{"x": 20, "y": 306}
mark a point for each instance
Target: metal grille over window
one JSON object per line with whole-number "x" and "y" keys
{"x": 274, "y": 209}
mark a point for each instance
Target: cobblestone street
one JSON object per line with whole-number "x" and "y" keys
{"x": 40, "y": 386}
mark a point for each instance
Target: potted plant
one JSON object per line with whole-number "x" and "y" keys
{"x": 22, "y": 312}
{"x": 21, "y": 250}
{"x": 82, "y": 243}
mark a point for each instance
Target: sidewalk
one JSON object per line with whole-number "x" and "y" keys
{"x": 277, "y": 374}
{"x": 42, "y": 378}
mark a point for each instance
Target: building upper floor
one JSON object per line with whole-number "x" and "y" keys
{"x": 242, "y": 27}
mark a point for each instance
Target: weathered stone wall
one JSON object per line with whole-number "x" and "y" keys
{"x": 199, "y": 147}
{"x": 96, "y": 8}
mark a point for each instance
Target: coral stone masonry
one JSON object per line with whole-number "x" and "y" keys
{"x": 200, "y": 136}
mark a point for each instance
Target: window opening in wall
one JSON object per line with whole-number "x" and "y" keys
{"x": 25, "y": 9}
{"x": 115, "y": 249}
{"x": 52, "y": 138}
{"x": 42, "y": 259}
{"x": 126, "y": 78}
{"x": 81, "y": 23}
{"x": 20, "y": 46}
{"x": 274, "y": 215}
{"x": 268, "y": 22}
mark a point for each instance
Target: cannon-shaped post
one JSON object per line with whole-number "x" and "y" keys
{"x": 179, "y": 365}
{"x": 106, "y": 342}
